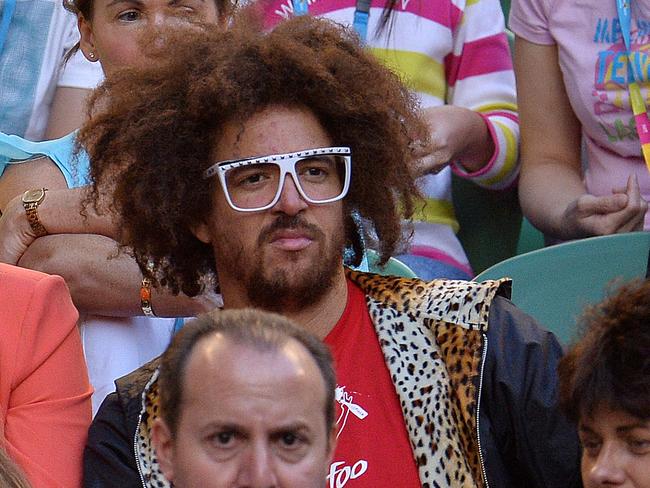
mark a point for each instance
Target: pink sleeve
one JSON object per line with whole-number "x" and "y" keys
{"x": 529, "y": 19}
{"x": 480, "y": 77}
{"x": 48, "y": 411}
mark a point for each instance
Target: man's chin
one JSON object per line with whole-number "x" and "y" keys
{"x": 291, "y": 262}
{"x": 277, "y": 294}
{"x": 294, "y": 283}
{"x": 291, "y": 279}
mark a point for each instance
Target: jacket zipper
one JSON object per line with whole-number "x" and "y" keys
{"x": 478, "y": 411}
{"x": 143, "y": 409}
{"x": 136, "y": 449}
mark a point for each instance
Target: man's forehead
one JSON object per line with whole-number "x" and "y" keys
{"x": 222, "y": 369}
{"x": 229, "y": 357}
{"x": 275, "y": 129}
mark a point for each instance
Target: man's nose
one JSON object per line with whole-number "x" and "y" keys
{"x": 160, "y": 19}
{"x": 257, "y": 470}
{"x": 290, "y": 202}
{"x": 607, "y": 469}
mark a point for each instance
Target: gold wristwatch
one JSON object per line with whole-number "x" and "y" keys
{"x": 31, "y": 200}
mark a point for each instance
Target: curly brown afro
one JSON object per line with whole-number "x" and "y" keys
{"x": 152, "y": 131}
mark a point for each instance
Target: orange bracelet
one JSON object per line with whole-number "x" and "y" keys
{"x": 145, "y": 297}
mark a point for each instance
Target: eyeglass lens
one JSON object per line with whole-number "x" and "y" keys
{"x": 320, "y": 178}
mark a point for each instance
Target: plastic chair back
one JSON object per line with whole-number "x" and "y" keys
{"x": 555, "y": 283}
{"x": 530, "y": 238}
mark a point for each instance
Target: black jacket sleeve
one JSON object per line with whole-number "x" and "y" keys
{"x": 109, "y": 459}
{"x": 525, "y": 439}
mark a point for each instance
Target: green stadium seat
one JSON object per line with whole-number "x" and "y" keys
{"x": 555, "y": 283}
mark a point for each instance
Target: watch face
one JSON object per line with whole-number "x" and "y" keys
{"x": 32, "y": 196}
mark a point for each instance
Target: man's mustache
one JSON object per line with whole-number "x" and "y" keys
{"x": 284, "y": 222}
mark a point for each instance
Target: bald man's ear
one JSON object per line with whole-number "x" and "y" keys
{"x": 331, "y": 443}
{"x": 163, "y": 443}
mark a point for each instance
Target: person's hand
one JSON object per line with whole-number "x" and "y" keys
{"x": 456, "y": 134}
{"x": 15, "y": 232}
{"x": 622, "y": 211}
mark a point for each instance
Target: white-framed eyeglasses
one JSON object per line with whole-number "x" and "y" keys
{"x": 321, "y": 175}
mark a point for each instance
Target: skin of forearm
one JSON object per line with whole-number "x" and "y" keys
{"x": 103, "y": 280}
{"x": 550, "y": 178}
{"x": 546, "y": 189}
{"x": 37, "y": 173}
{"x": 61, "y": 213}
{"x": 479, "y": 146}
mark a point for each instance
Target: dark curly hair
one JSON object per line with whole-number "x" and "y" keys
{"x": 153, "y": 132}
{"x": 610, "y": 365}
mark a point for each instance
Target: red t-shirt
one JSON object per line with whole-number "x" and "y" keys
{"x": 373, "y": 448}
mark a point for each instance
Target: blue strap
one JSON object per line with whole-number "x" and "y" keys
{"x": 625, "y": 19}
{"x": 179, "y": 322}
{"x": 359, "y": 22}
{"x": 361, "y": 16}
{"x": 7, "y": 14}
{"x": 300, "y": 7}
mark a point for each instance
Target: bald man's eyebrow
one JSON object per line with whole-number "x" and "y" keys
{"x": 224, "y": 425}
{"x": 293, "y": 428}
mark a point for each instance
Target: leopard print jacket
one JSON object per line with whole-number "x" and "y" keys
{"x": 431, "y": 335}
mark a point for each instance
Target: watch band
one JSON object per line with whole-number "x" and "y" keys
{"x": 31, "y": 200}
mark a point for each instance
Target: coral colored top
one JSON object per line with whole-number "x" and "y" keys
{"x": 44, "y": 389}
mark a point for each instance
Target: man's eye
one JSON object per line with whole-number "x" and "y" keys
{"x": 290, "y": 440}
{"x": 129, "y": 16}
{"x": 316, "y": 171}
{"x": 223, "y": 439}
{"x": 253, "y": 179}
{"x": 250, "y": 176}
